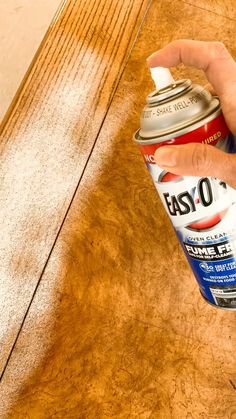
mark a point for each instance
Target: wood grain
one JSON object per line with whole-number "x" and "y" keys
{"x": 223, "y": 8}
{"x": 117, "y": 327}
{"x": 48, "y": 137}
{"x": 30, "y": 22}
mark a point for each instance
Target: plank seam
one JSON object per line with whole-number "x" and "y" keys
{"x": 207, "y": 10}
{"x": 13, "y": 108}
{"x": 79, "y": 181}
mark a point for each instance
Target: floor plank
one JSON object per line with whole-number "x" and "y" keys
{"x": 223, "y": 8}
{"x": 117, "y": 327}
{"x": 47, "y": 139}
{"x": 30, "y": 21}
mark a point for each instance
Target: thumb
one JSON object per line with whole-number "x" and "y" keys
{"x": 198, "y": 160}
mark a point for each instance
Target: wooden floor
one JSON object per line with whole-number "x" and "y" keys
{"x": 100, "y": 316}
{"x": 30, "y": 20}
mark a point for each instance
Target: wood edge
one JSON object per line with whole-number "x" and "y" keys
{"x": 13, "y": 103}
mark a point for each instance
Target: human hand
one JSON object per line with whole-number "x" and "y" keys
{"x": 220, "y": 68}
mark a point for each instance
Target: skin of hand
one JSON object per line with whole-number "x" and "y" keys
{"x": 220, "y": 68}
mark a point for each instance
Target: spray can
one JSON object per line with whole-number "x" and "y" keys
{"x": 201, "y": 209}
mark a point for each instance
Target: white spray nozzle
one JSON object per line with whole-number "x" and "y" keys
{"x": 162, "y": 77}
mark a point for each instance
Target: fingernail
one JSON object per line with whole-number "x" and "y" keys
{"x": 151, "y": 56}
{"x": 166, "y": 156}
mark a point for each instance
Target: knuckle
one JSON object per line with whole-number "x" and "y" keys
{"x": 200, "y": 160}
{"x": 219, "y": 50}
{"x": 176, "y": 42}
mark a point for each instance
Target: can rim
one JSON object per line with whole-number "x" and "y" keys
{"x": 166, "y": 93}
{"x": 178, "y": 132}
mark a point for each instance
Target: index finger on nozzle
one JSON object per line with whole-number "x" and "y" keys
{"x": 211, "y": 57}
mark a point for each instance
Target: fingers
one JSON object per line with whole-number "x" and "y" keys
{"x": 211, "y": 57}
{"x": 210, "y": 89}
{"x": 220, "y": 69}
{"x": 198, "y": 160}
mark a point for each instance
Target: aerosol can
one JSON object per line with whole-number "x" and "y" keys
{"x": 201, "y": 209}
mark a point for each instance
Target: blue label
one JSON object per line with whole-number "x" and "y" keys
{"x": 216, "y": 278}
{"x": 210, "y": 247}
{"x": 203, "y": 213}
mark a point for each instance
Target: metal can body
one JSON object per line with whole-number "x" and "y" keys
{"x": 202, "y": 210}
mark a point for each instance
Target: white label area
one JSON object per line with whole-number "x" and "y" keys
{"x": 189, "y": 200}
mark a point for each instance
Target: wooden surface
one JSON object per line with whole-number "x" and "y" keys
{"x": 116, "y": 326}
{"x": 223, "y": 8}
{"x": 29, "y": 20}
{"x": 47, "y": 140}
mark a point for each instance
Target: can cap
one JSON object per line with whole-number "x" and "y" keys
{"x": 172, "y": 110}
{"x": 162, "y": 77}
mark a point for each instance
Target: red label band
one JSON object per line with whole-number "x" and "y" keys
{"x": 210, "y": 133}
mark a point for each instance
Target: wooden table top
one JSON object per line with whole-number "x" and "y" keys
{"x": 100, "y": 315}
{"x": 29, "y": 20}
